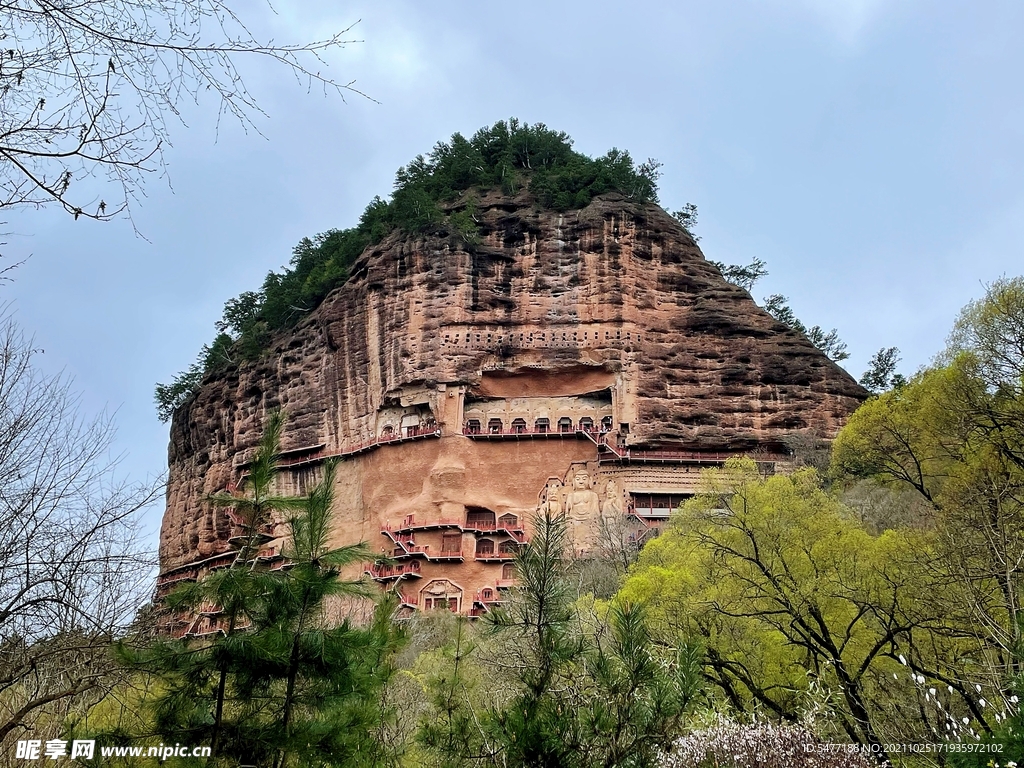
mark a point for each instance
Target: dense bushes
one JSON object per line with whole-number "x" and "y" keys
{"x": 508, "y": 155}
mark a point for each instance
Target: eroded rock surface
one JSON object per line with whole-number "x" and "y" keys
{"x": 606, "y": 322}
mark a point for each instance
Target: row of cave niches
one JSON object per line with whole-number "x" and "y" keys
{"x": 537, "y": 338}
{"x": 541, "y": 426}
{"x": 403, "y": 570}
{"x": 497, "y": 541}
{"x": 507, "y": 531}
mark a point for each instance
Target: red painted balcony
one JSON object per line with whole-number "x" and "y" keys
{"x": 495, "y": 557}
{"x": 384, "y": 572}
{"x": 489, "y": 432}
{"x": 410, "y": 524}
{"x": 489, "y": 596}
{"x": 514, "y": 530}
{"x": 450, "y": 555}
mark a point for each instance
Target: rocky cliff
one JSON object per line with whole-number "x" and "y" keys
{"x": 608, "y": 315}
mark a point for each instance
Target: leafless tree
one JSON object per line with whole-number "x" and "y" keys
{"x": 87, "y": 88}
{"x": 72, "y": 571}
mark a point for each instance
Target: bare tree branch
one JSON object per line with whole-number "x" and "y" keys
{"x": 87, "y": 87}
{"x": 72, "y": 571}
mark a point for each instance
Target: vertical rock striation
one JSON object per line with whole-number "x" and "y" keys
{"x": 470, "y": 383}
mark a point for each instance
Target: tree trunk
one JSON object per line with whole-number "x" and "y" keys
{"x": 222, "y": 685}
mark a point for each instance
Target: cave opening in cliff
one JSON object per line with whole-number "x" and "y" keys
{"x": 480, "y": 517}
{"x": 656, "y": 504}
{"x": 484, "y": 547}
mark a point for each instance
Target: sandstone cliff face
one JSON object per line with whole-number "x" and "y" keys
{"x": 609, "y": 314}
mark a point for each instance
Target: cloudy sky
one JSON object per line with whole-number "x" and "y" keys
{"x": 870, "y": 152}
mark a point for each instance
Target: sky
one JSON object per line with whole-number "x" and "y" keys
{"x": 869, "y": 152}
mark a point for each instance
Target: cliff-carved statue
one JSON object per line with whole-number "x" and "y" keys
{"x": 614, "y": 504}
{"x": 583, "y": 508}
{"x": 515, "y": 348}
{"x": 551, "y": 498}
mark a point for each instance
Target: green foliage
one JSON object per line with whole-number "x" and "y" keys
{"x": 785, "y": 589}
{"x": 991, "y": 332}
{"x": 638, "y": 699}
{"x": 286, "y": 683}
{"x": 899, "y": 437}
{"x": 829, "y": 342}
{"x": 213, "y": 357}
{"x": 254, "y": 504}
{"x": 881, "y": 373}
{"x": 538, "y": 728}
{"x": 954, "y": 434}
{"x": 777, "y": 306}
{"x": 586, "y": 687}
{"x": 1008, "y": 735}
{"x": 432, "y": 195}
{"x": 170, "y": 397}
{"x": 464, "y": 223}
{"x": 745, "y": 276}
{"x": 451, "y": 734}
{"x": 687, "y": 218}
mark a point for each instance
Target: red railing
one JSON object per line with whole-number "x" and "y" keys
{"x": 446, "y": 555}
{"x": 485, "y": 526}
{"x": 410, "y": 524}
{"x": 203, "y": 625}
{"x": 495, "y": 556}
{"x": 411, "y": 433}
{"x": 383, "y": 572}
{"x": 403, "y": 531}
{"x": 405, "y": 545}
{"x": 408, "y": 548}
{"x": 600, "y": 437}
{"x": 513, "y": 432}
{"x": 636, "y": 454}
{"x": 190, "y": 571}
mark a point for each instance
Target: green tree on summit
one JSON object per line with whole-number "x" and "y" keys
{"x": 828, "y": 342}
{"x": 432, "y": 195}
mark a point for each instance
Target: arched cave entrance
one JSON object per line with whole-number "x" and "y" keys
{"x": 484, "y": 547}
{"x": 441, "y": 594}
{"x": 480, "y": 518}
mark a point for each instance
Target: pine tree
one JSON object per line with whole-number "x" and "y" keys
{"x": 589, "y": 690}
{"x": 326, "y": 676}
{"x": 284, "y": 683}
{"x": 235, "y": 596}
{"x": 538, "y": 728}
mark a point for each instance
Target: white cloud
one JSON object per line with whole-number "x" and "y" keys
{"x": 396, "y": 43}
